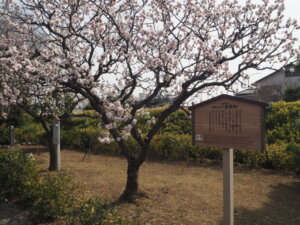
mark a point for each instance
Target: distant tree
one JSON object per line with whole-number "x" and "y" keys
{"x": 10, "y": 115}
{"x": 270, "y": 93}
{"x": 161, "y": 100}
{"x": 41, "y": 102}
{"x": 23, "y": 92}
{"x": 292, "y": 94}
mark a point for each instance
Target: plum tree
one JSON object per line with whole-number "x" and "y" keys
{"x": 108, "y": 51}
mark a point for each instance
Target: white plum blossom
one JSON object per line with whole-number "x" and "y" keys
{"x": 125, "y": 136}
{"x": 4, "y": 115}
{"x": 134, "y": 121}
{"x": 109, "y": 126}
{"x": 105, "y": 140}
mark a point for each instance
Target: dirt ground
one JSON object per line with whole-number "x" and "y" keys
{"x": 10, "y": 215}
{"x": 181, "y": 194}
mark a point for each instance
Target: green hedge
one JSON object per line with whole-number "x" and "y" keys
{"x": 173, "y": 140}
{"x": 179, "y": 147}
{"x": 4, "y": 134}
{"x": 32, "y": 133}
{"x": 177, "y": 123}
{"x": 294, "y": 150}
{"x": 281, "y": 122}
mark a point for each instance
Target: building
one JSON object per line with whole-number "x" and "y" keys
{"x": 273, "y": 86}
{"x": 249, "y": 93}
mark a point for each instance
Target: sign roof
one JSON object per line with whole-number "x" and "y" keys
{"x": 245, "y": 100}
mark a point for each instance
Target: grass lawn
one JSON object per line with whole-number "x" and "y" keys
{"x": 179, "y": 194}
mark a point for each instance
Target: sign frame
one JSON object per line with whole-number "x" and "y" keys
{"x": 262, "y": 106}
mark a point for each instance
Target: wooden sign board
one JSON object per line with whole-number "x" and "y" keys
{"x": 229, "y": 122}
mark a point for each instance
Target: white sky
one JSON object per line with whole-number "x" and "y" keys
{"x": 292, "y": 10}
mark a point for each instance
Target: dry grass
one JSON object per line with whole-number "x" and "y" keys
{"x": 189, "y": 195}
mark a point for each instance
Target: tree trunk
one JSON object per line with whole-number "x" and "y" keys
{"x": 52, "y": 164}
{"x": 132, "y": 192}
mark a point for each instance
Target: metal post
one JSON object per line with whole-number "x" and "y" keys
{"x": 228, "y": 208}
{"x": 56, "y": 142}
{"x": 12, "y": 138}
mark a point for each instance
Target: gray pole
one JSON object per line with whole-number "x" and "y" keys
{"x": 56, "y": 142}
{"x": 228, "y": 208}
{"x": 12, "y": 138}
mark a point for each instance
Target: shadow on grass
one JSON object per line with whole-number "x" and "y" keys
{"x": 282, "y": 209}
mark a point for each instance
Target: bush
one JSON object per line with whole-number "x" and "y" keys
{"x": 4, "y": 134}
{"x": 177, "y": 123}
{"x": 271, "y": 159}
{"x": 81, "y": 132}
{"x": 82, "y": 138}
{"x": 170, "y": 146}
{"x": 179, "y": 147}
{"x": 281, "y": 123}
{"x": 96, "y": 212}
{"x": 32, "y": 133}
{"x": 173, "y": 141}
{"x": 18, "y": 173}
{"x": 49, "y": 196}
{"x": 294, "y": 150}
{"x": 54, "y": 196}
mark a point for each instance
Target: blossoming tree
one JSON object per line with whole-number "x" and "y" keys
{"x": 110, "y": 50}
{"x": 41, "y": 99}
{"x": 41, "y": 102}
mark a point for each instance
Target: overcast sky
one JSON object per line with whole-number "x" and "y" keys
{"x": 292, "y": 10}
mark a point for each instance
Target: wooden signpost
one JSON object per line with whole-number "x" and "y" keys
{"x": 230, "y": 123}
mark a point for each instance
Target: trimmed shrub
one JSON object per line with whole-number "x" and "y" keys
{"x": 177, "y": 123}
{"x": 173, "y": 141}
{"x": 82, "y": 138}
{"x": 32, "y": 133}
{"x": 179, "y": 147}
{"x": 281, "y": 123}
{"x": 294, "y": 150}
{"x": 170, "y": 146}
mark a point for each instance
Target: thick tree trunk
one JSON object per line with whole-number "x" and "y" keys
{"x": 132, "y": 192}
{"x": 52, "y": 164}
